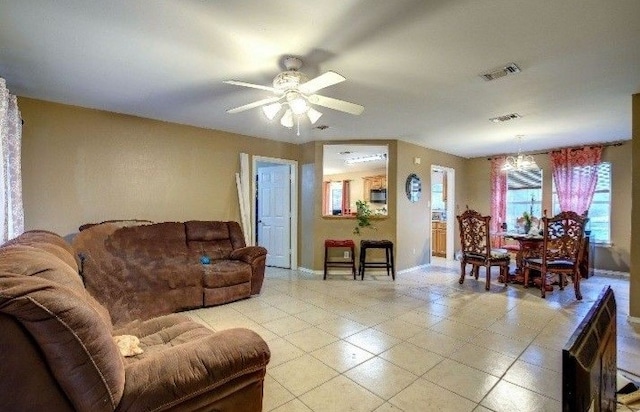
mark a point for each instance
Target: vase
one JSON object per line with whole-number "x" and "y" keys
{"x": 527, "y": 228}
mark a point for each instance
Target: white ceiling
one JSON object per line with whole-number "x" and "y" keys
{"x": 413, "y": 64}
{"x": 334, "y": 158}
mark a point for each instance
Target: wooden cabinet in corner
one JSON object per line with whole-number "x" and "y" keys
{"x": 439, "y": 238}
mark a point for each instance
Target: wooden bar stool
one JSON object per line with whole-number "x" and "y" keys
{"x": 387, "y": 245}
{"x": 351, "y": 262}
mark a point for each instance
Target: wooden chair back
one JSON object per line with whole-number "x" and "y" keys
{"x": 563, "y": 237}
{"x": 474, "y": 233}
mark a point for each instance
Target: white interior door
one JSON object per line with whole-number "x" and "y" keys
{"x": 274, "y": 213}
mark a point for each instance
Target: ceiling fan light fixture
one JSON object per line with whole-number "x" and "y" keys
{"x": 297, "y": 102}
{"x": 287, "y": 119}
{"x": 293, "y": 90}
{"x": 271, "y": 110}
{"x": 313, "y": 115}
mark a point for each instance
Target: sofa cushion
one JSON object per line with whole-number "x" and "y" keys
{"x": 194, "y": 369}
{"x": 80, "y": 353}
{"x": 221, "y": 273}
{"x": 499, "y": 253}
{"x": 208, "y": 238}
{"x": 30, "y": 261}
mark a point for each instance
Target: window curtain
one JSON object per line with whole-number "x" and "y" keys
{"x": 326, "y": 198}
{"x": 498, "y": 199}
{"x": 12, "y": 212}
{"x": 346, "y": 197}
{"x": 575, "y": 174}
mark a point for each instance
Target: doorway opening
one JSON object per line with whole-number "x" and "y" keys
{"x": 442, "y": 212}
{"x": 275, "y": 211}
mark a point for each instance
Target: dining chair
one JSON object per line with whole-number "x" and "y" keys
{"x": 562, "y": 249}
{"x": 476, "y": 247}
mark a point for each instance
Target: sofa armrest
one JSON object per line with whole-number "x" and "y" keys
{"x": 256, "y": 256}
{"x": 248, "y": 254}
{"x": 194, "y": 371}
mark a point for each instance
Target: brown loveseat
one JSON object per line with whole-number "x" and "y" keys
{"x": 57, "y": 351}
{"x": 146, "y": 270}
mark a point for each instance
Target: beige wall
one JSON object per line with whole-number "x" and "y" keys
{"x": 315, "y": 229}
{"x": 634, "y": 292}
{"x": 613, "y": 257}
{"x": 414, "y": 218}
{"x": 82, "y": 165}
{"x": 308, "y": 205}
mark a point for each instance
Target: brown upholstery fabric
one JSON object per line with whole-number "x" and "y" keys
{"x": 90, "y": 370}
{"x": 150, "y": 270}
{"x": 29, "y": 260}
{"x": 57, "y": 352}
{"x": 48, "y": 240}
{"x": 27, "y": 382}
{"x": 221, "y": 273}
{"x": 223, "y": 356}
{"x": 256, "y": 256}
{"x": 184, "y": 360}
{"x": 222, "y": 295}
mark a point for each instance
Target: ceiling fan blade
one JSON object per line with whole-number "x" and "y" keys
{"x": 254, "y": 104}
{"x": 336, "y": 104}
{"x": 324, "y": 80}
{"x": 255, "y": 86}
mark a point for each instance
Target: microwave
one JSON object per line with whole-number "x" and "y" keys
{"x": 378, "y": 196}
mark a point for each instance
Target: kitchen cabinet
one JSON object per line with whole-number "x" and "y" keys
{"x": 373, "y": 183}
{"x": 439, "y": 238}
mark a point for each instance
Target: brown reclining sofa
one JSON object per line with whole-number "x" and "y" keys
{"x": 57, "y": 351}
{"x": 147, "y": 270}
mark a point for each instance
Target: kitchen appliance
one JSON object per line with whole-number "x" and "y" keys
{"x": 378, "y": 196}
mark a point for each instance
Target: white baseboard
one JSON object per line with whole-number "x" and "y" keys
{"x": 611, "y": 274}
{"x": 633, "y": 319}
{"x": 413, "y": 269}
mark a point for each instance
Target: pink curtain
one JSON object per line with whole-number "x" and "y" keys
{"x": 575, "y": 174}
{"x": 325, "y": 198}
{"x": 11, "y": 210}
{"x": 498, "y": 199}
{"x": 346, "y": 197}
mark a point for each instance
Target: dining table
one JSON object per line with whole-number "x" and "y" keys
{"x": 530, "y": 245}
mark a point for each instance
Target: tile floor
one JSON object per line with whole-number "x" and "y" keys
{"x": 421, "y": 343}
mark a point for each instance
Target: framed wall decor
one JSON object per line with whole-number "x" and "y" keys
{"x": 413, "y": 187}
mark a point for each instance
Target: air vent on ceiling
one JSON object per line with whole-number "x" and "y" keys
{"x": 505, "y": 118}
{"x": 510, "y": 68}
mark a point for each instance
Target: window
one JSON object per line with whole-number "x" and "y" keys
{"x": 600, "y": 211}
{"x": 335, "y": 196}
{"x": 524, "y": 194}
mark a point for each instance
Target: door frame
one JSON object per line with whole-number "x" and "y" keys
{"x": 293, "y": 206}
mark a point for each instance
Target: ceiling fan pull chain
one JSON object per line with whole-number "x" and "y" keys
{"x": 298, "y": 121}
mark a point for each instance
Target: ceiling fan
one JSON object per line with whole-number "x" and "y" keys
{"x": 296, "y": 93}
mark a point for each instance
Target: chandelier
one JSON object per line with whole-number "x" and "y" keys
{"x": 519, "y": 162}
